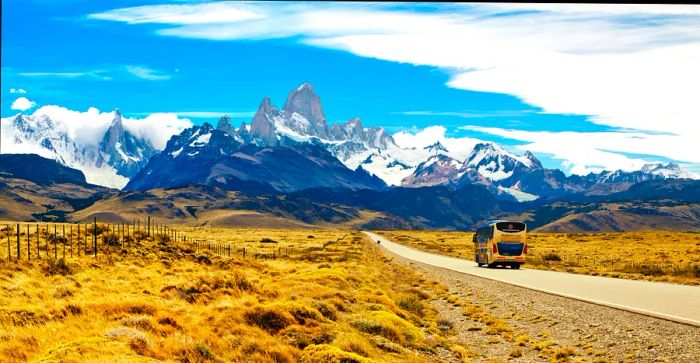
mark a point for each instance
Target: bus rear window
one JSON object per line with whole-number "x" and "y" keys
{"x": 510, "y": 227}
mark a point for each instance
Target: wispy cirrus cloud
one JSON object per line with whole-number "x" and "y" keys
{"x": 147, "y": 73}
{"x": 104, "y": 74}
{"x": 95, "y": 74}
{"x": 18, "y": 90}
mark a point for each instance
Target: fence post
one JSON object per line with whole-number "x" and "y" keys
{"x": 244, "y": 252}
{"x": 29, "y": 256}
{"x": 78, "y": 239}
{"x": 18, "y": 251}
{"x": 9, "y": 249}
{"x": 38, "y": 242}
{"x": 55, "y": 237}
{"x": 71, "y": 241}
{"x": 63, "y": 240}
{"x": 94, "y": 235}
{"x": 148, "y": 234}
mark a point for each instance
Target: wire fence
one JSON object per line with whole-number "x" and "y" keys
{"x": 34, "y": 241}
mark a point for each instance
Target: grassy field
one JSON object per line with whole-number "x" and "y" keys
{"x": 334, "y": 298}
{"x": 654, "y": 255}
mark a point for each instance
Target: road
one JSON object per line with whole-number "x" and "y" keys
{"x": 679, "y": 303}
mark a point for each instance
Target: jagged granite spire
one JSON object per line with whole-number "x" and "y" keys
{"x": 225, "y": 125}
{"x": 305, "y": 102}
{"x": 263, "y": 127}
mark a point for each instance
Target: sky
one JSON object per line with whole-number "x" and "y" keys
{"x": 584, "y": 87}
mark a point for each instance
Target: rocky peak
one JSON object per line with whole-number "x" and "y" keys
{"x": 114, "y": 134}
{"x": 263, "y": 126}
{"x": 225, "y": 125}
{"x": 354, "y": 129}
{"x": 535, "y": 162}
{"x": 669, "y": 170}
{"x": 243, "y": 129}
{"x": 436, "y": 148}
{"x": 306, "y": 103}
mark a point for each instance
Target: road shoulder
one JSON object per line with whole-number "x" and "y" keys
{"x": 591, "y": 331}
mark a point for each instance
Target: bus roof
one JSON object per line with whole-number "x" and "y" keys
{"x": 494, "y": 221}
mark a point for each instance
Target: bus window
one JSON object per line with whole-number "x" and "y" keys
{"x": 510, "y": 227}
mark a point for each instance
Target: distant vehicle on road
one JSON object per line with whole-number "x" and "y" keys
{"x": 500, "y": 243}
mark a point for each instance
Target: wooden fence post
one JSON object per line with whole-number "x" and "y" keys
{"x": 55, "y": 237}
{"x": 38, "y": 242}
{"x": 148, "y": 234}
{"x": 71, "y": 241}
{"x": 78, "y": 239}
{"x": 94, "y": 235}
{"x": 9, "y": 249}
{"x": 63, "y": 240}
{"x": 18, "y": 251}
{"x": 29, "y": 256}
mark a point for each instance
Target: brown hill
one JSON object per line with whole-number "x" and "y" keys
{"x": 24, "y": 200}
{"x": 203, "y": 205}
{"x": 613, "y": 217}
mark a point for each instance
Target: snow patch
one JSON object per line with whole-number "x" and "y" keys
{"x": 519, "y": 195}
{"x": 201, "y": 140}
{"x": 175, "y": 153}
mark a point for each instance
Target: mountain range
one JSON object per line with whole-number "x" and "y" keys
{"x": 33, "y": 188}
{"x": 295, "y": 148}
{"x": 111, "y": 160}
{"x": 346, "y": 172}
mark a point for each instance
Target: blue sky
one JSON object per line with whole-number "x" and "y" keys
{"x": 401, "y": 66}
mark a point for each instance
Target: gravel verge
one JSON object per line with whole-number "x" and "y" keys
{"x": 591, "y": 332}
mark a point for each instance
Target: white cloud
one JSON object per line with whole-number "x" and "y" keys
{"x": 182, "y": 14}
{"x": 22, "y": 104}
{"x": 88, "y": 127}
{"x": 583, "y": 152}
{"x": 96, "y": 74}
{"x": 157, "y": 127}
{"x": 147, "y": 73}
{"x": 18, "y": 90}
{"x": 627, "y": 66}
{"x": 459, "y": 148}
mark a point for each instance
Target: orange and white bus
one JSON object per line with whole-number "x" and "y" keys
{"x": 500, "y": 243}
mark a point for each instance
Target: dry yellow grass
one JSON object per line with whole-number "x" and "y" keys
{"x": 335, "y": 299}
{"x": 650, "y": 255}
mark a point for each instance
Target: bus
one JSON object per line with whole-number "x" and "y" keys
{"x": 500, "y": 243}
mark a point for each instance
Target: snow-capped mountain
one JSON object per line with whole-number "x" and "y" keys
{"x": 302, "y": 120}
{"x": 109, "y": 161}
{"x": 111, "y": 154}
{"x": 438, "y": 169}
{"x": 123, "y": 151}
{"x": 202, "y": 155}
{"x": 669, "y": 171}
{"x": 523, "y": 178}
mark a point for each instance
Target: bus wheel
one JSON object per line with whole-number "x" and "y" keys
{"x": 516, "y": 266}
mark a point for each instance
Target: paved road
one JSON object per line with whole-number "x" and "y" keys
{"x": 680, "y": 303}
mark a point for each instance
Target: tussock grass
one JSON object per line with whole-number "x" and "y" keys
{"x": 335, "y": 299}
